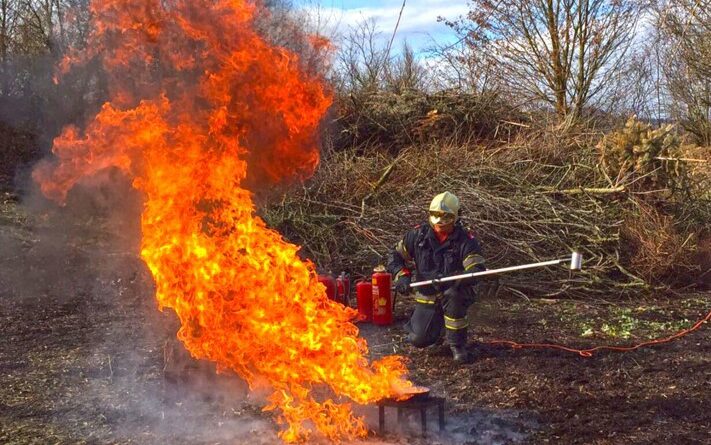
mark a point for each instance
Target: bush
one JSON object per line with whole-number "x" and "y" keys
{"x": 657, "y": 250}
{"x": 645, "y": 159}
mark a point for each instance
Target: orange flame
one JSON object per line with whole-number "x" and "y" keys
{"x": 198, "y": 105}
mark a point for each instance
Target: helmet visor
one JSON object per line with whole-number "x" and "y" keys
{"x": 437, "y": 217}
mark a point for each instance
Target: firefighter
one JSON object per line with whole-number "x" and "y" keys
{"x": 439, "y": 248}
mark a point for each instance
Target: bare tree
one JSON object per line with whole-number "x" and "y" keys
{"x": 684, "y": 28}
{"x": 563, "y": 53}
{"x": 642, "y": 85}
{"x": 365, "y": 64}
{"x": 405, "y": 73}
{"x": 299, "y": 30}
{"x": 8, "y": 22}
{"x": 39, "y": 20}
{"x": 456, "y": 66}
{"x": 360, "y": 64}
{"x": 44, "y": 26}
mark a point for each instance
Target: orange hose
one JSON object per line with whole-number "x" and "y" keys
{"x": 589, "y": 352}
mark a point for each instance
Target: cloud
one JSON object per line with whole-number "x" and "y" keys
{"x": 418, "y": 25}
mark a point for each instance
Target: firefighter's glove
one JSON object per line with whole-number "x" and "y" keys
{"x": 439, "y": 286}
{"x": 402, "y": 285}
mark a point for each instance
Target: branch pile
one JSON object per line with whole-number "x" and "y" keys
{"x": 522, "y": 208}
{"x": 400, "y": 119}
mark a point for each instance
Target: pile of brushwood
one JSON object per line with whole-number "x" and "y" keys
{"x": 635, "y": 202}
{"x": 393, "y": 119}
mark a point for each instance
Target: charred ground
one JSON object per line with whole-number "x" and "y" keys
{"x": 84, "y": 360}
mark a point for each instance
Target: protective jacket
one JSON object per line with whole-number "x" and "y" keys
{"x": 420, "y": 253}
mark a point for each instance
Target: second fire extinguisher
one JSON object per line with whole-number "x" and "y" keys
{"x": 364, "y": 297}
{"x": 382, "y": 297}
{"x": 330, "y": 284}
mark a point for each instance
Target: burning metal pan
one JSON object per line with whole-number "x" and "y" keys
{"x": 407, "y": 395}
{"x": 416, "y": 392}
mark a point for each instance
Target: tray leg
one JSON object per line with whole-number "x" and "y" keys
{"x": 423, "y": 418}
{"x": 381, "y": 419}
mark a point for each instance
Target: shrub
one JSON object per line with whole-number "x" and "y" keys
{"x": 657, "y": 250}
{"x": 645, "y": 159}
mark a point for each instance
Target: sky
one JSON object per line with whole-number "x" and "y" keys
{"x": 418, "y": 23}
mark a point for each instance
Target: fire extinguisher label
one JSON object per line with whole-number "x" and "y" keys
{"x": 382, "y": 312}
{"x": 378, "y": 309}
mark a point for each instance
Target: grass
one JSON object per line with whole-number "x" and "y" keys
{"x": 568, "y": 320}
{"x": 621, "y": 322}
{"x": 624, "y": 324}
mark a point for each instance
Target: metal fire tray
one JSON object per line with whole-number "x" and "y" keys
{"x": 421, "y": 400}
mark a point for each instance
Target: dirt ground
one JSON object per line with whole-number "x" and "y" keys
{"x": 83, "y": 360}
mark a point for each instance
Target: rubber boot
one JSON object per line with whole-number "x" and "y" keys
{"x": 461, "y": 355}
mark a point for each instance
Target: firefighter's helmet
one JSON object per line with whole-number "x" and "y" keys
{"x": 444, "y": 208}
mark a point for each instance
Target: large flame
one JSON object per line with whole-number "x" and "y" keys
{"x": 198, "y": 102}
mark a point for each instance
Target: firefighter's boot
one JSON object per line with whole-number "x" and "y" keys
{"x": 461, "y": 355}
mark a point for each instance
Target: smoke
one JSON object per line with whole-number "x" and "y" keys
{"x": 111, "y": 369}
{"x": 147, "y": 386}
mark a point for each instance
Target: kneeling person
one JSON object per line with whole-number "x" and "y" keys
{"x": 439, "y": 248}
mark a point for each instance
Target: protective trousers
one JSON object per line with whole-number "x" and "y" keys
{"x": 434, "y": 314}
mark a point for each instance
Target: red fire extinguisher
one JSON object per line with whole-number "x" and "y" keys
{"x": 330, "y": 283}
{"x": 364, "y": 296}
{"x": 382, "y": 297}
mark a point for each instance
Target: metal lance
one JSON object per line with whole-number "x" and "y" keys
{"x": 575, "y": 260}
